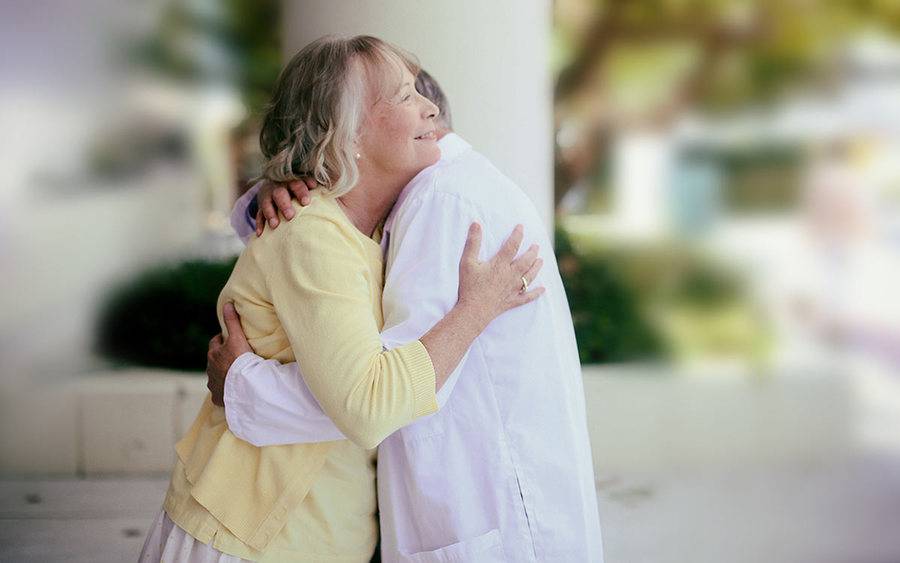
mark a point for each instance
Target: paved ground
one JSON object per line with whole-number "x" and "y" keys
{"x": 844, "y": 511}
{"x": 837, "y": 512}
{"x": 77, "y": 521}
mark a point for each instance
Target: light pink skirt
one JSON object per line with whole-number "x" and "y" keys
{"x": 167, "y": 543}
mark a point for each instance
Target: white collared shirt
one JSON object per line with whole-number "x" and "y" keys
{"x": 502, "y": 472}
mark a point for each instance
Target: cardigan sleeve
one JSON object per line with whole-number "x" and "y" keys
{"x": 319, "y": 288}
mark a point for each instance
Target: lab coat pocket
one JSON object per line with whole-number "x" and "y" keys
{"x": 486, "y": 548}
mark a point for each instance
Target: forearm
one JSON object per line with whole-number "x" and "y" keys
{"x": 268, "y": 404}
{"x": 318, "y": 286}
{"x": 448, "y": 340}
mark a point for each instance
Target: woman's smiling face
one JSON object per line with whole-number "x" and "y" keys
{"x": 398, "y": 133}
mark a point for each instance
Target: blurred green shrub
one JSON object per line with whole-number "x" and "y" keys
{"x": 609, "y": 324}
{"x": 627, "y": 305}
{"x": 649, "y": 302}
{"x": 165, "y": 317}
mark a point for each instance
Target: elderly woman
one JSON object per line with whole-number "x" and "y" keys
{"x": 346, "y": 112}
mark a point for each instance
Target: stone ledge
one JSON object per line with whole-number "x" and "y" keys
{"x": 644, "y": 418}
{"x": 117, "y": 422}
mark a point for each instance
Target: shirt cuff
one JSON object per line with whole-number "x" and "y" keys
{"x": 233, "y": 394}
{"x": 422, "y": 377}
{"x": 250, "y": 214}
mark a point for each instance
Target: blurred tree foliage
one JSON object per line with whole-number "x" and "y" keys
{"x": 228, "y": 41}
{"x": 649, "y": 302}
{"x": 625, "y": 63}
{"x": 165, "y": 317}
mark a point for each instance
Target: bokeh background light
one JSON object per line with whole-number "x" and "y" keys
{"x": 722, "y": 178}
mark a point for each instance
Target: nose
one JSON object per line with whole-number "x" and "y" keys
{"x": 430, "y": 110}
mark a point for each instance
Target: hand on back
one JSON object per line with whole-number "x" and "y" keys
{"x": 491, "y": 288}
{"x": 223, "y": 352}
{"x": 273, "y": 197}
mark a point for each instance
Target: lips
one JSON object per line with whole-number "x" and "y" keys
{"x": 429, "y": 136}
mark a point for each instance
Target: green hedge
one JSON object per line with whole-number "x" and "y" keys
{"x": 165, "y": 317}
{"x": 610, "y": 325}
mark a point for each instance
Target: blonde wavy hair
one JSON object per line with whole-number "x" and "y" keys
{"x": 319, "y": 103}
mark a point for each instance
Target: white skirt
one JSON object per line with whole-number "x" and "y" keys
{"x": 167, "y": 543}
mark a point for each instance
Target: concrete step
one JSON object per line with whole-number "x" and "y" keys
{"x": 77, "y": 521}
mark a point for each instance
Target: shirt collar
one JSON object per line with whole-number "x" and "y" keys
{"x": 452, "y": 145}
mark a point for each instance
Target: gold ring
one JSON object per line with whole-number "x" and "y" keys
{"x": 524, "y": 285}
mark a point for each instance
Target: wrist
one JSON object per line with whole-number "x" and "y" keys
{"x": 473, "y": 316}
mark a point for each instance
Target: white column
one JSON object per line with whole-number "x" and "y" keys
{"x": 491, "y": 59}
{"x": 641, "y": 176}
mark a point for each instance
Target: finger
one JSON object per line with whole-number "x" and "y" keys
{"x": 532, "y": 272}
{"x": 232, "y": 322}
{"x": 259, "y": 222}
{"x": 300, "y": 189}
{"x": 473, "y": 243}
{"x": 268, "y": 211}
{"x": 511, "y": 247}
{"x": 282, "y": 198}
{"x": 216, "y": 396}
{"x": 524, "y": 262}
{"x": 520, "y": 299}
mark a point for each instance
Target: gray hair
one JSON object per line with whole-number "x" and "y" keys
{"x": 312, "y": 122}
{"x": 429, "y": 87}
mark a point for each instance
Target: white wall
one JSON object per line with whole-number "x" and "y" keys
{"x": 491, "y": 59}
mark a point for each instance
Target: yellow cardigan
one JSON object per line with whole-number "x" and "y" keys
{"x": 311, "y": 291}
